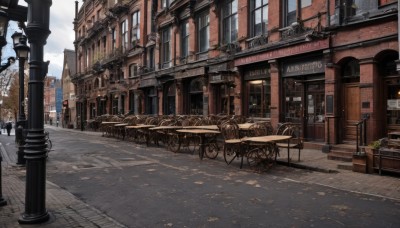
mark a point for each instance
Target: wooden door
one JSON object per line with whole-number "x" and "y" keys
{"x": 351, "y": 112}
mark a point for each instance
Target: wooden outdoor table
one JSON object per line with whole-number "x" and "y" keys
{"x": 121, "y": 125}
{"x": 245, "y": 126}
{"x": 145, "y": 128}
{"x": 165, "y": 128}
{"x": 202, "y": 133}
{"x": 208, "y": 127}
{"x": 258, "y": 155}
{"x": 107, "y": 124}
{"x": 269, "y": 139}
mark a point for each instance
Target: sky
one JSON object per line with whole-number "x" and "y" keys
{"x": 62, "y": 13}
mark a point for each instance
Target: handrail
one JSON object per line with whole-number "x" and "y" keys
{"x": 362, "y": 129}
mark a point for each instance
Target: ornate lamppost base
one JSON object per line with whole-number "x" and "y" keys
{"x": 3, "y": 202}
{"x": 33, "y": 219}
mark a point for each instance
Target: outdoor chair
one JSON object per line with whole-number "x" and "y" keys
{"x": 232, "y": 142}
{"x": 296, "y": 142}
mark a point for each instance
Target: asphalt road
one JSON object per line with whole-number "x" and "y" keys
{"x": 143, "y": 186}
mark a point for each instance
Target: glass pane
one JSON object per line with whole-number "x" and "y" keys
{"x": 265, "y": 15}
{"x": 234, "y": 29}
{"x": 226, "y": 10}
{"x": 291, "y": 6}
{"x": 234, "y": 7}
{"x": 257, "y": 25}
{"x": 258, "y": 3}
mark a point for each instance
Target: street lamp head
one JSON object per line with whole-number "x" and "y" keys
{"x": 15, "y": 37}
{"x": 3, "y": 27}
{"x": 20, "y": 47}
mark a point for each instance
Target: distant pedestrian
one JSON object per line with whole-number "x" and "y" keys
{"x": 8, "y": 127}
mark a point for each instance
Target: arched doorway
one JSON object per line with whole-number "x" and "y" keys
{"x": 351, "y": 110}
{"x": 195, "y": 99}
{"x": 169, "y": 99}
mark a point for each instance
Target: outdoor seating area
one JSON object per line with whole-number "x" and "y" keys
{"x": 236, "y": 137}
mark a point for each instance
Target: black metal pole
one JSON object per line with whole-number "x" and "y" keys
{"x": 21, "y": 123}
{"x": 37, "y": 30}
{"x": 3, "y": 202}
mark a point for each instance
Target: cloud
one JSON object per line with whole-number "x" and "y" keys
{"x": 62, "y": 14}
{"x": 62, "y": 36}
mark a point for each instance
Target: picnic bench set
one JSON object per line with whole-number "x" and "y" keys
{"x": 235, "y": 136}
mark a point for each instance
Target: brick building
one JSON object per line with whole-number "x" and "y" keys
{"x": 52, "y": 99}
{"x": 323, "y": 64}
{"x": 68, "y": 117}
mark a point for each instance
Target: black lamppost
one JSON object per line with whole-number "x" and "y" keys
{"x": 3, "y": 32}
{"x": 37, "y": 31}
{"x": 22, "y": 51}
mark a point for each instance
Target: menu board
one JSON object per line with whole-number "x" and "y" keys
{"x": 393, "y": 104}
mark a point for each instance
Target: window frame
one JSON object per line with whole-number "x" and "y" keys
{"x": 253, "y": 9}
{"x": 229, "y": 18}
{"x": 184, "y": 39}
{"x": 124, "y": 34}
{"x": 203, "y": 29}
{"x": 166, "y": 47}
{"x": 135, "y": 28}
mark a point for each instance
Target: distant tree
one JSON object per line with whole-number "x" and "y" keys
{"x": 5, "y": 82}
{"x": 10, "y": 101}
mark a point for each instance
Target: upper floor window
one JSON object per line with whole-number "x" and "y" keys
{"x": 135, "y": 30}
{"x": 203, "y": 31}
{"x": 124, "y": 35}
{"x": 133, "y": 70}
{"x": 259, "y": 17}
{"x": 113, "y": 39}
{"x": 290, "y": 12}
{"x": 291, "y": 9}
{"x": 166, "y": 48}
{"x": 229, "y": 21}
{"x": 184, "y": 39}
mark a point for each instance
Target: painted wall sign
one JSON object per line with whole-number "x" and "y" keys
{"x": 190, "y": 73}
{"x": 284, "y": 52}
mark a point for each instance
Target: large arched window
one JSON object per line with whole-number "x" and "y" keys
{"x": 351, "y": 71}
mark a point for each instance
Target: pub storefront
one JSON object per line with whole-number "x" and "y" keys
{"x": 257, "y": 91}
{"x": 148, "y": 96}
{"x": 189, "y": 84}
{"x": 303, "y": 95}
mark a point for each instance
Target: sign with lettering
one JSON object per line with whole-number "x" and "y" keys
{"x": 256, "y": 73}
{"x": 148, "y": 82}
{"x": 284, "y": 52}
{"x": 219, "y": 67}
{"x": 303, "y": 67}
{"x": 190, "y": 73}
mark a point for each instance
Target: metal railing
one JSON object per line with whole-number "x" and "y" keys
{"x": 361, "y": 133}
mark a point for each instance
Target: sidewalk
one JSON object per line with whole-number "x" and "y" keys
{"x": 69, "y": 211}
{"x": 65, "y": 209}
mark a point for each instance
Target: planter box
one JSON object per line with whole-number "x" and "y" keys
{"x": 387, "y": 160}
{"x": 360, "y": 163}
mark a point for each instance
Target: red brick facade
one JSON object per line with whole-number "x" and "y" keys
{"x": 332, "y": 65}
